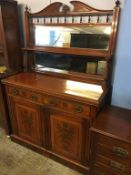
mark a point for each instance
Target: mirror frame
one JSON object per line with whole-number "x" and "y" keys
{"x": 79, "y": 9}
{"x": 76, "y": 8}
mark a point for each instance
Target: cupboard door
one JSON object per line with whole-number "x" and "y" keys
{"x": 67, "y": 136}
{"x": 26, "y": 120}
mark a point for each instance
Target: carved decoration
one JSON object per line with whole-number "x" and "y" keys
{"x": 117, "y": 2}
{"x": 28, "y": 123}
{"x": 27, "y": 118}
{"x": 65, "y": 134}
{"x": 59, "y": 9}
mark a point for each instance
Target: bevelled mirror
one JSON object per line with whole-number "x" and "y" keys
{"x": 94, "y": 37}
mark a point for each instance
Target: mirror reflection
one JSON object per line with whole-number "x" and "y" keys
{"x": 96, "y": 37}
{"x": 62, "y": 63}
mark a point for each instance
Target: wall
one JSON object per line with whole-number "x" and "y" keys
{"x": 37, "y": 5}
{"x": 121, "y": 95}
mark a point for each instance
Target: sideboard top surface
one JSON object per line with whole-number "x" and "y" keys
{"x": 84, "y": 92}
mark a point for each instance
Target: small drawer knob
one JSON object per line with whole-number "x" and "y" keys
{"x": 15, "y": 92}
{"x": 53, "y": 102}
{"x": 78, "y": 109}
{"x": 34, "y": 98}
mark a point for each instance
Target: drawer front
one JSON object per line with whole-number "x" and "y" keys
{"x": 112, "y": 147}
{"x": 54, "y": 102}
{"x": 113, "y": 153}
{"x": 112, "y": 165}
{"x": 68, "y": 106}
{"x": 32, "y": 96}
{"x": 100, "y": 169}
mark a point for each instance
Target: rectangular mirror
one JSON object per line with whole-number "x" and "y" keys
{"x": 62, "y": 63}
{"x": 95, "y": 37}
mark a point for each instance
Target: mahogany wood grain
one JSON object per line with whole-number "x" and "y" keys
{"x": 115, "y": 25}
{"x": 52, "y": 121}
{"x": 115, "y": 121}
{"x": 74, "y": 51}
{"x": 54, "y": 102}
{"x": 3, "y": 42}
{"x": 10, "y": 35}
{"x": 26, "y": 119}
{"x": 3, "y": 113}
{"x": 111, "y": 142}
{"x": 81, "y": 9}
{"x": 65, "y": 133}
{"x": 27, "y": 27}
{"x": 47, "y": 84}
{"x": 10, "y": 48}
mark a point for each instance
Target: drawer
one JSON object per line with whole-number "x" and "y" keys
{"x": 100, "y": 169}
{"x": 32, "y": 96}
{"x": 65, "y": 105}
{"x": 58, "y": 103}
{"x": 108, "y": 146}
{"x": 117, "y": 153}
{"x": 112, "y": 165}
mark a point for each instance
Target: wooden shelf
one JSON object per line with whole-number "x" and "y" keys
{"x": 90, "y": 78}
{"x": 73, "y": 51}
{"x": 72, "y": 24}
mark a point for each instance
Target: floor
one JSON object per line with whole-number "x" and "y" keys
{"x": 18, "y": 160}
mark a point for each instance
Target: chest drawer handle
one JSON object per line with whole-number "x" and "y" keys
{"x": 117, "y": 166}
{"x": 15, "y": 92}
{"x": 78, "y": 109}
{"x": 119, "y": 151}
{"x": 52, "y": 102}
{"x": 34, "y": 98}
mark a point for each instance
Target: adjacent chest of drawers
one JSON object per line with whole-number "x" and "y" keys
{"x": 111, "y": 143}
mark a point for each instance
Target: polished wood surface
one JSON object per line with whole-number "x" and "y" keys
{"x": 79, "y": 10}
{"x": 10, "y": 49}
{"x": 115, "y": 121}
{"x": 57, "y": 124}
{"x": 79, "y": 7}
{"x": 71, "y": 106}
{"x": 53, "y": 114}
{"x": 26, "y": 120}
{"x": 10, "y": 39}
{"x": 73, "y": 51}
{"x": 2, "y": 110}
{"x": 111, "y": 142}
{"x": 60, "y": 87}
{"x": 67, "y": 136}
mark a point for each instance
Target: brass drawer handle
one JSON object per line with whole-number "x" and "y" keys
{"x": 53, "y": 102}
{"x": 15, "y": 92}
{"x": 117, "y": 166}
{"x": 34, "y": 98}
{"x": 78, "y": 109}
{"x": 119, "y": 151}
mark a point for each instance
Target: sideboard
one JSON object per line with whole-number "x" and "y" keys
{"x": 66, "y": 80}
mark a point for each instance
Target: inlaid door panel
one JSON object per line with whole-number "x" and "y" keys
{"x": 67, "y": 136}
{"x": 27, "y": 117}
